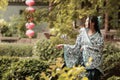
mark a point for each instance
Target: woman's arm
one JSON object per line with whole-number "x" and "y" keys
{"x": 73, "y": 47}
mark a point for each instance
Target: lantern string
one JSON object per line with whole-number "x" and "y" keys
{"x": 30, "y": 25}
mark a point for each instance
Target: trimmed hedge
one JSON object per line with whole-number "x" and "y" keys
{"x": 5, "y": 63}
{"x": 21, "y": 69}
{"x": 46, "y": 51}
{"x": 15, "y": 49}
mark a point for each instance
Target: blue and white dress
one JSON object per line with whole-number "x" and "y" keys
{"x": 91, "y": 53}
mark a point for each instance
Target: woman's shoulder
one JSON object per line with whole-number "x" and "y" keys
{"x": 82, "y": 29}
{"x": 100, "y": 37}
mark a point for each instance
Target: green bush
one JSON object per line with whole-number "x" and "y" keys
{"x": 5, "y": 63}
{"x": 60, "y": 40}
{"x": 58, "y": 72}
{"x": 111, "y": 61}
{"x": 114, "y": 78}
{"x": 21, "y": 69}
{"x": 4, "y": 28}
{"x": 46, "y": 51}
{"x": 20, "y": 50}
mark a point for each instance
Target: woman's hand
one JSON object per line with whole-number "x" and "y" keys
{"x": 81, "y": 49}
{"x": 60, "y": 46}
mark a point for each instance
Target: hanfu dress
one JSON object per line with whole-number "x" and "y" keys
{"x": 90, "y": 56}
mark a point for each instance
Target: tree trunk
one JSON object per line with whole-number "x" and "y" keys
{"x": 106, "y": 21}
{"x": 50, "y": 17}
{"x": 106, "y": 25}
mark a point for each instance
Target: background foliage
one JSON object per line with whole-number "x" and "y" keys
{"x": 111, "y": 61}
{"x": 18, "y": 50}
{"x": 46, "y": 51}
{"x": 47, "y": 54}
{"x": 64, "y": 12}
{"x": 58, "y": 72}
{"x": 5, "y": 63}
{"x": 21, "y": 68}
{"x": 3, "y": 4}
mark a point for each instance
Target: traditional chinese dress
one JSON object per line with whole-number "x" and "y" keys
{"x": 90, "y": 56}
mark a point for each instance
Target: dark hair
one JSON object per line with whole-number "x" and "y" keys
{"x": 94, "y": 19}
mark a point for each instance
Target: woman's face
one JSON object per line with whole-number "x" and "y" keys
{"x": 87, "y": 23}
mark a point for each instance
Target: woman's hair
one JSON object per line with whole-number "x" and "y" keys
{"x": 94, "y": 19}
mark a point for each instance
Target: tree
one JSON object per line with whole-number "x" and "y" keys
{"x": 110, "y": 10}
{"x": 64, "y": 12}
{"x": 3, "y": 4}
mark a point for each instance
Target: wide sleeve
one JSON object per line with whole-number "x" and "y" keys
{"x": 72, "y": 54}
{"x": 77, "y": 43}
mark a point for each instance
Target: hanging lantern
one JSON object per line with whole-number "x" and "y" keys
{"x": 30, "y": 2}
{"x": 30, "y": 9}
{"x": 30, "y": 33}
{"x": 30, "y": 25}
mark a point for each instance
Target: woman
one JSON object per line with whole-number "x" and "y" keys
{"x": 89, "y": 45}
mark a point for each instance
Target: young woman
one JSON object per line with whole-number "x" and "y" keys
{"x": 87, "y": 50}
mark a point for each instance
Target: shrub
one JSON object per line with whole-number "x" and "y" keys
{"x": 20, "y": 50}
{"x": 58, "y": 72}
{"x": 46, "y": 51}
{"x": 24, "y": 69}
{"x": 5, "y": 63}
{"x": 4, "y": 28}
{"x": 61, "y": 40}
{"x": 111, "y": 61}
{"x": 114, "y": 78}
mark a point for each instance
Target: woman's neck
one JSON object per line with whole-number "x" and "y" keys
{"x": 91, "y": 31}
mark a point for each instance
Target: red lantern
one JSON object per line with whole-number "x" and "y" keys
{"x": 30, "y": 2}
{"x": 30, "y": 33}
{"x": 30, "y": 25}
{"x": 30, "y": 9}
